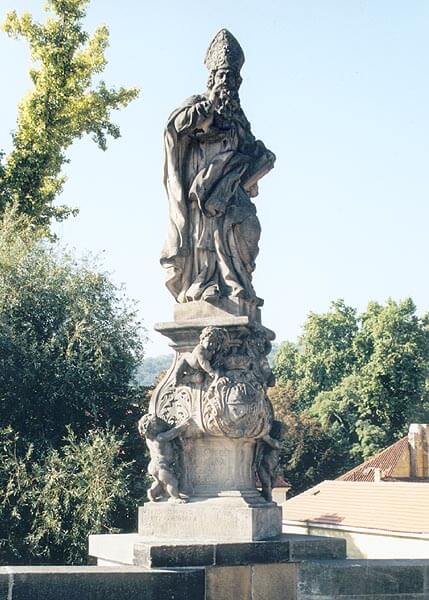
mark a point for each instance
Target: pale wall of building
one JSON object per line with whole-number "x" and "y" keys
{"x": 365, "y": 544}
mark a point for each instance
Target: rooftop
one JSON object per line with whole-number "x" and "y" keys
{"x": 395, "y": 506}
{"x": 385, "y": 461}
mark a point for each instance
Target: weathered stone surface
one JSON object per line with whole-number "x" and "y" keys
{"x": 156, "y": 553}
{"x": 210, "y": 428}
{"x": 173, "y": 555}
{"x": 116, "y": 548}
{"x": 98, "y": 583}
{"x": 213, "y": 398}
{"x": 211, "y": 313}
{"x": 255, "y": 582}
{"x": 370, "y": 578}
{"x": 273, "y": 582}
{"x": 229, "y": 583}
{"x": 239, "y": 518}
{"x": 313, "y": 547}
{"x": 307, "y": 580}
{"x": 212, "y": 167}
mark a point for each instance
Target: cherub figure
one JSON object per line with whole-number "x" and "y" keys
{"x": 259, "y": 346}
{"x": 159, "y": 438}
{"x": 268, "y": 459}
{"x": 212, "y": 341}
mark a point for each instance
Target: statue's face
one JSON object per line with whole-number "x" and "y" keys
{"x": 209, "y": 343}
{"x": 225, "y": 79}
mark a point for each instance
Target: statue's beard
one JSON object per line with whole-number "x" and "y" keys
{"x": 229, "y": 102}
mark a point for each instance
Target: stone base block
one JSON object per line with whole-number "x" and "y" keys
{"x": 229, "y": 519}
{"x": 120, "y": 549}
{"x": 278, "y": 550}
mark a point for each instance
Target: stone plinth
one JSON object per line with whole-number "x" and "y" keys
{"x": 135, "y": 549}
{"x": 241, "y": 518}
{"x": 223, "y": 308}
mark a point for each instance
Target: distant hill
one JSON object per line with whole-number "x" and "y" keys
{"x": 152, "y": 366}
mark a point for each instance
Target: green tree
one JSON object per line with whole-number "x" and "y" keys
{"x": 363, "y": 378}
{"x": 50, "y": 502}
{"x": 69, "y": 340}
{"x": 309, "y": 452}
{"x": 323, "y": 356}
{"x": 70, "y": 343}
{"x": 63, "y": 106}
{"x": 386, "y": 392}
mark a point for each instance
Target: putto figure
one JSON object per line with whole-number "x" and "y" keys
{"x": 267, "y": 460}
{"x": 212, "y": 167}
{"x": 202, "y": 357}
{"x": 159, "y": 440}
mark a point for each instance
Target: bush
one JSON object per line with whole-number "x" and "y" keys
{"x": 52, "y": 501}
{"x": 71, "y": 460}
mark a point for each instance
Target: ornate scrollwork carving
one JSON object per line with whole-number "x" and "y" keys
{"x": 175, "y": 405}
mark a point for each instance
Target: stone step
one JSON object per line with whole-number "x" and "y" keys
{"x": 285, "y": 548}
{"x": 132, "y": 548}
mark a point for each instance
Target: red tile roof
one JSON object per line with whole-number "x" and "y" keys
{"x": 392, "y": 506}
{"x": 386, "y": 461}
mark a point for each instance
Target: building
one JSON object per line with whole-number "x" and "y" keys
{"x": 380, "y": 507}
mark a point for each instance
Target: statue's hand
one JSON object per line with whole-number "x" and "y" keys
{"x": 214, "y": 99}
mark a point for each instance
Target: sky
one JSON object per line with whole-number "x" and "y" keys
{"x": 338, "y": 89}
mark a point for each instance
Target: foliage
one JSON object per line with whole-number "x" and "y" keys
{"x": 52, "y": 501}
{"x": 62, "y": 107}
{"x": 69, "y": 345}
{"x": 309, "y": 453}
{"x": 69, "y": 340}
{"x": 361, "y": 377}
{"x": 323, "y": 356}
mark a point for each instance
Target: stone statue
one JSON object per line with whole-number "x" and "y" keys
{"x": 268, "y": 458}
{"x": 212, "y": 167}
{"x": 159, "y": 438}
{"x": 210, "y": 423}
{"x": 212, "y": 340}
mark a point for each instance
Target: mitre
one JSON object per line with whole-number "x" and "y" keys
{"x": 224, "y": 52}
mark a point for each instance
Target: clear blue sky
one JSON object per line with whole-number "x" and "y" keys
{"x": 338, "y": 89}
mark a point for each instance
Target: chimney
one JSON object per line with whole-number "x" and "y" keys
{"x": 378, "y": 475}
{"x": 418, "y": 439}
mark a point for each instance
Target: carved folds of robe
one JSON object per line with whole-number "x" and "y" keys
{"x": 213, "y": 230}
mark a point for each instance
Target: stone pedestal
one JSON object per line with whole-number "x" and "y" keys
{"x": 224, "y": 519}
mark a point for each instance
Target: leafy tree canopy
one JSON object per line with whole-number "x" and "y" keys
{"x": 63, "y": 106}
{"x": 361, "y": 377}
{"x": 71, "y": 460}
{"x": 69, "y": 340}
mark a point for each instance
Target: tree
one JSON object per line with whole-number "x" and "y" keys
{"x": 69, "y": 340}
{"x": 363, "y": 378}
{"x": 71, "y": 460}
{"x": 62, "y": 107}
{"x": 323, "y": 356}
{"x": 51, "y": 501}
{"x": 374, "y": 406}
{"x": 309, "y": 452}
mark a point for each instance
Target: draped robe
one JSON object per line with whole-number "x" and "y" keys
{"x": 213, "y": 231}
